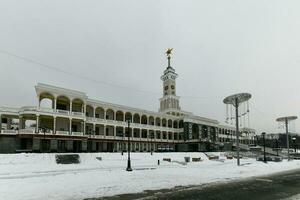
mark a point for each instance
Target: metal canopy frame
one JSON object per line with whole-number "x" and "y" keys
{"x": 235, "y": 100}
{"x": 240, "y": 98}
{"x": 286, "y": 121}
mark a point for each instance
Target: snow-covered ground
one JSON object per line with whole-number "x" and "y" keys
{"x": 37, "y": 176}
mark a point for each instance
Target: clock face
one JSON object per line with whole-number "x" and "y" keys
{"x": 172, "y": 87}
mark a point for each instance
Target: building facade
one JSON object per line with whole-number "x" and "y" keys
{"x": 72, "y": 122}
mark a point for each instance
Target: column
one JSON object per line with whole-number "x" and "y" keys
{"x": 84, "y": 127}
{"x": 94, "y": 110}
{"x": 148, "y": 135}
{"x": 141, "y": 133}
{"x": 115, "y": 131}
{"x": 84, "y": 109}
{"x": 0, "y": 123}
{"x": 54, "y": 107}
{"x": 54, "y": 125}
{"x": 37, "y": 123}
{"x": 39, "y": 102}
{"x": 20, "y": 122}
{"x": 115, "y": 115}
{"x": 70, "y": 127}
{"x": 94, "y": 129}
{"x": 104, "y": 113}
{"x": 200, "y": 131}
{"x": 70, "y": 106}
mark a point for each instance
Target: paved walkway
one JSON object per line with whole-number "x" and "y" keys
{"x": 277, "y": 186}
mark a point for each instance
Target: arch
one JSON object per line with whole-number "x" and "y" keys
{"x": 46, "y": 100}
{"x": 164, "y": 122}
{"x": 157, "y": 121}
{"x": 119, "y": 116}
{"x": 170, "y": 136}
{"x": 175, "y": 124}
{"x": 136, "y": 118}
{"x": 144, "y": 119}
{"x": 109, "y": 131}
{"x": 164, "y": 135}
{"x": 128, "y": 116}
{"x": 181, "y": 124}
{"x": 144, "y": 133}
{"x": 175, "y": 136}
{"x": 89, "y": 111}
{"x": 158, "y": 135}
{"x": 99, "y": 112}
{"x": 195, "y": 131}
{"x": 170, "y": 123}
{"x": 213, "y": 135}
{"x": 151, "y": 120}
{"x": 110, "y": 114}
{"x": 63, "y": 103}
{"x": 151, "y": 135}
{"x": 204, "y": 132}
{"x": 77, "y": 105}
{"x": 136, "y": 133}
{"x": 120, "y": 131}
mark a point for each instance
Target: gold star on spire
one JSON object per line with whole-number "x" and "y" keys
{"x": 169, "y": 52}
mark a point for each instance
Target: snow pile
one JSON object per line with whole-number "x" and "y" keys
{"x": 37, "y": 176}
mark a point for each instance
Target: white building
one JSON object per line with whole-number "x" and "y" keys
{"x": 74, "y": 123}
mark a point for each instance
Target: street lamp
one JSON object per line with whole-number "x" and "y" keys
{"x": 151, "y": 143}
{"x": 276, "y": 137}
{"x": 122, "y": 144}
{"x": 294, "y": 143}
{"x": 264, "y": 140}
{"x": 128, "y": 161}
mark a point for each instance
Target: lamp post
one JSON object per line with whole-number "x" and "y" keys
{"x": 286, "y": 121}
{"x": 128, "y": 161}
{"x": 277, "y": 143}
{"x": 122, "y": 144}
{"x": 294, "y": 143}
{"x": 151, "y": 145}
{"x": 264, "y": 140}
{"x": 236, "y": 100}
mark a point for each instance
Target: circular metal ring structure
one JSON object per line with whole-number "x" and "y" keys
{"x": 241, "y": 97}
{"x": 288, "y": 118}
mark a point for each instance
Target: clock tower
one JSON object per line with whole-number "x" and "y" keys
{"x": 169, "y": 103}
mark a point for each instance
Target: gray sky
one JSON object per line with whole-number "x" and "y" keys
{"x": 221, "y": 47}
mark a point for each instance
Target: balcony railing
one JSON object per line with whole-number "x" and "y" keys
{"x": 62, "y": 132}
{"x": 77, "y": 133}
{"x": 48, "y": 110}
{"x": 9, "y": 131}
{"x": 63, "y": 111}
{"x": 27, "y": 131}
{"x": 78, "y": 114}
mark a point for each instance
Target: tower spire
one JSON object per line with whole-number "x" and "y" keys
{"x": 169, "y": 52}
{"x": 169, "y": 103}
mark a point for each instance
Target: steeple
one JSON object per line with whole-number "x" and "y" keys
{"x": 169, "y": 103}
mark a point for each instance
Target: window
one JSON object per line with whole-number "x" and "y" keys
{"x": 166, "y": 87}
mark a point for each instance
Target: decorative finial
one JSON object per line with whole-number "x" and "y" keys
{"x": 169, "y": 52}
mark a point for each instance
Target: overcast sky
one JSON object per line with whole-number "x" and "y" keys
{"x": 220, "y": 47}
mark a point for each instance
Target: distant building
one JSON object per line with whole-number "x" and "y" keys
{"x": 75, "y": 123}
